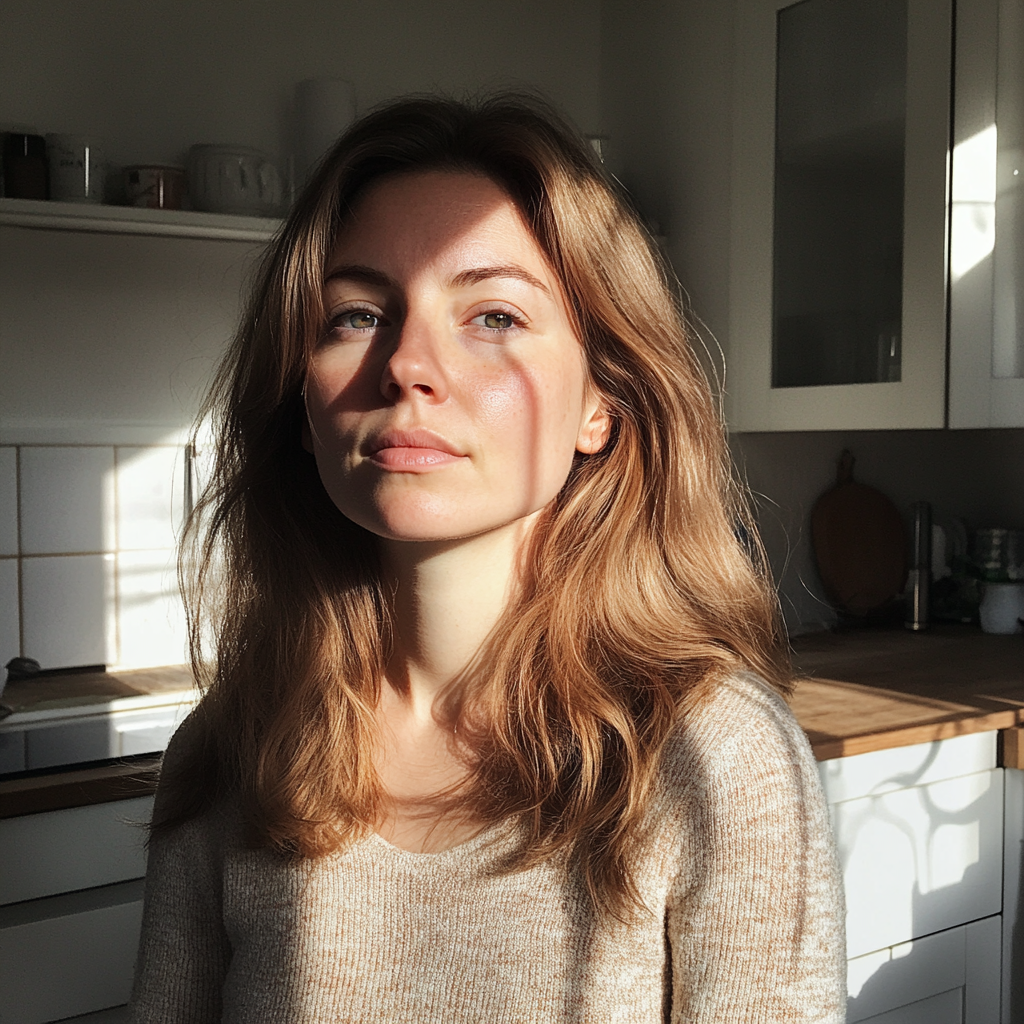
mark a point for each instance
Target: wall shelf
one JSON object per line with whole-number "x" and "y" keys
{"x": 129, "y": 220}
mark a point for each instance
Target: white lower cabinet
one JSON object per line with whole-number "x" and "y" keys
{"x": 70, "y": 911}
{"x": 951, "y": 976}
{"x": 921, "y": 839}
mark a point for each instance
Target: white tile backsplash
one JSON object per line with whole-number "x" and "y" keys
{"x": 8, "y": 500}
{"x": 67, "y": 500}
{"x": 68, "y": 610}
{"x": 150, "y": 612}
{"x": 10, "y": 636}
{"x": 150, "y": 495}
{"x": 98, "y": 532}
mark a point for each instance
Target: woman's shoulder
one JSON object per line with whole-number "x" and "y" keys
{"x": 740, "y": 725}
{"x": 214, "y": 820}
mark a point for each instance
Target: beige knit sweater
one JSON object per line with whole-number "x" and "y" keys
{"x": 745, "y": 904}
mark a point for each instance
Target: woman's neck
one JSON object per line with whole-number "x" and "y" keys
{"x": 448, "y": 598}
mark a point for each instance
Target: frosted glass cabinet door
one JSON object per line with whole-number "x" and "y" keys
{"x": 838, "y": 238}
{"x": 986, "y": 330}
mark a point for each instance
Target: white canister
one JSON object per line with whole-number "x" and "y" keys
{"x": 233, "y": 179}
{"x": 1002, "y": 608}
{"x": 78, "y": 168}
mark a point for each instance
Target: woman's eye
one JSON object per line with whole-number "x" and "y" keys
{"x": 496, "y": 321}
{"x": 355, "y": 320}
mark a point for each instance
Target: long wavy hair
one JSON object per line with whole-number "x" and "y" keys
{"x": 642, "y": 585}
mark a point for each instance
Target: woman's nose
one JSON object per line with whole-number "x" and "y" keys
{"x": 414, "y": 366}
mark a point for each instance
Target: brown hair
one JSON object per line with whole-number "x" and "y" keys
{"x": 639, "y": 588}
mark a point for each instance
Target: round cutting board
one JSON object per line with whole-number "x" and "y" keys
{"x": 860, "y": 544}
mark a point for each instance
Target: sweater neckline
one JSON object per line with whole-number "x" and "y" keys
{"x": 493, "y": 834}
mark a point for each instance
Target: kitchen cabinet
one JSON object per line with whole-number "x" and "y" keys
{"x": 986, "y": 333}
{"x": 70, "y": 909}
{"x": 929, "y": 857}
{"x": 809, "y": 182}
{"x": 855, "y": 222}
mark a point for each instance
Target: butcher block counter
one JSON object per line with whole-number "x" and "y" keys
{"x": 864, "y": 690}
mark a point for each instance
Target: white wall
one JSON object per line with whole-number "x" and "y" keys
{"x": 157, "y": 76}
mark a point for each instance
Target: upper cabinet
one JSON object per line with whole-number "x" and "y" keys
{"x": 853, "y": 231}
{"x": 986, "y": 312}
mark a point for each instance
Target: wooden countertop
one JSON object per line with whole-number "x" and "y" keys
{"x": 87, "y": 692}
{"x": 875, "y": 689}
{"x": 859, "y": 691}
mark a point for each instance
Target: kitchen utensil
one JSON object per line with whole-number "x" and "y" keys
{"x": 859, "y": 544}
{"x": 78, "y": 168}
{"x": 1002, "y": 607}
{"x": 919, "y": 582}
{"x": 25, "y": 170}
{"x": 232, "y": 179}
{"x": 154, "y": 186}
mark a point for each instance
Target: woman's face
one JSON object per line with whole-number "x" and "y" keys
{"x": 449, "y": 392}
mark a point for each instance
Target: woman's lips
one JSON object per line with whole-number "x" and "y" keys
{"x": 412, "y": 451}
{"x": 413, "y": 459}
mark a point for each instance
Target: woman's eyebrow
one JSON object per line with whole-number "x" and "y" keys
{"x": 477, "y": 274}
{"x": 474, "y": 275}
{"x": 359, "y": 272}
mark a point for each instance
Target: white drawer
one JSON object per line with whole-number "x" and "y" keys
{"x": 880, "y": 771}
{"x": 920, "y": 860}
{"x": 76, "y": 848}
{"x": 69, "y": 955}
{"x": 916, "y": 981}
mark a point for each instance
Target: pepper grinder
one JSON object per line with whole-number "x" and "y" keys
{"x": 920, "y": 577}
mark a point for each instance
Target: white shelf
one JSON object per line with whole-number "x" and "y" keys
{"x": 130, "y": 220}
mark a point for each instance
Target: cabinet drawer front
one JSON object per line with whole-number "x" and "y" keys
{"x": 920, "y": 860}
{"x": 882, "y": 771}
{"x": 926, "y": 980}
{"x": 64, "y": 966}
{"x": 74, "y": 848}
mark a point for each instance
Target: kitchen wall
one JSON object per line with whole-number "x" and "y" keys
{"x": 155, "y": 77}
{"x": 108, "y": 342}
{"x": 87, "y": 559}
{"x": 667, "y": 96}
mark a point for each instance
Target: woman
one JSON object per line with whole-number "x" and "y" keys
{"x": 495, "y": 728}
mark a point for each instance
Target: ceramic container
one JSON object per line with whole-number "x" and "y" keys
{"x": 1002, "y": 608}
{"x": 154, "y": 186}
{"x": 78, "y": 168}
{"x": 233, "y": 179}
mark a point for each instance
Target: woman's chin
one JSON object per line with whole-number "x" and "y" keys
{"x": 422, "y": 527}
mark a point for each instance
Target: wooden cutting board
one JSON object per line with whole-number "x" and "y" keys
{"x": 860, "y": 544}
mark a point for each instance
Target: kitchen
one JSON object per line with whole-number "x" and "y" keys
{"x": 99, "y": 388}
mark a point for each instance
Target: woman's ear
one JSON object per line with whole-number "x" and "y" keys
{"x": 596, "y": 425}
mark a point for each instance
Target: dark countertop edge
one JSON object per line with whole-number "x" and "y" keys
{"x": 79, "y": 787}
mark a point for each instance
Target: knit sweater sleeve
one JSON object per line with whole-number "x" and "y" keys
{"x": 183, "y": 951}
{"x": 756, "y": 921}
